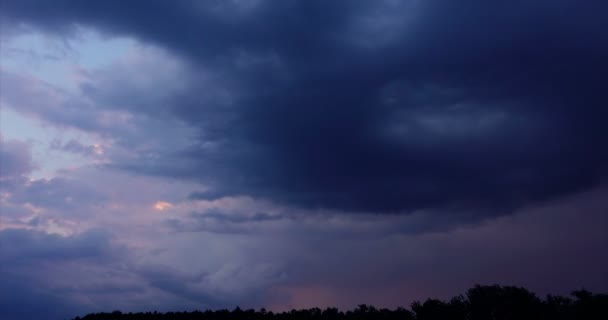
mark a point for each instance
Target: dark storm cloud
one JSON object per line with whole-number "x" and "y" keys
{"x": 377, "y": 106}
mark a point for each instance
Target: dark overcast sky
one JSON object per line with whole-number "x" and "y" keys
{"x": 205, "y": 154}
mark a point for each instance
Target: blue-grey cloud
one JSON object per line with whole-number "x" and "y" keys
{"x": 22, "y": 298}
{"x": 25, "y": 264}
{"x": 74, "y": 146}
{"x": 16, "y": 163}
{"x": 219, "y": 221}
{"x": 59, "y": 193}
{"x": 57, "y": 277}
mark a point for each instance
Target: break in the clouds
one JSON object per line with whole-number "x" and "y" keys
{"x": 167, "y": 145}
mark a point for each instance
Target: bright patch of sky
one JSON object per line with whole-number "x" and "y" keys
{"x": 56, "y": 61}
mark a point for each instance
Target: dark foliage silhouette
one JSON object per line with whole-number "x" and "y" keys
{"x": 479, "y": 303}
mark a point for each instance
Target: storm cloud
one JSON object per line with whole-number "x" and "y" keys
{"x": 376, "y": 106}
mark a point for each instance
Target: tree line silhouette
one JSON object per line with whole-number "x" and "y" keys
{"x": 479, "y": 303}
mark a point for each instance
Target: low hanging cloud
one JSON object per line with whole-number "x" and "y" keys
{"x": 62, "y": 276}
{"x": 97, "y": 270}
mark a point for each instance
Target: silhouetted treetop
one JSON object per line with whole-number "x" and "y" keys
{"x": 479, "y": 303}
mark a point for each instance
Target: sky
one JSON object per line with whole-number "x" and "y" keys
{"x": 181, "y": 155}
